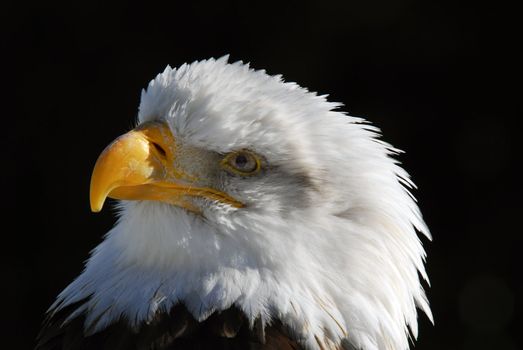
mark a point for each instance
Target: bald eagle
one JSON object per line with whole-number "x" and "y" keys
{"x": 253, "y": 214}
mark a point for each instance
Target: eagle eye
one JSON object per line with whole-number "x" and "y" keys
{"x": 243, "y": 163}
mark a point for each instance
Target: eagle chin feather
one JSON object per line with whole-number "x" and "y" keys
{"x": 323, "y": 253}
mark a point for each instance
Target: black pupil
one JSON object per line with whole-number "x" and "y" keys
{"x": 241, "y": 160}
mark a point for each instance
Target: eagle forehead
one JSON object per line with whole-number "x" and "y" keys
{"x": 230, "y": 103}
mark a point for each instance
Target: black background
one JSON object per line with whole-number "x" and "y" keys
{"x": 440, "y": 78}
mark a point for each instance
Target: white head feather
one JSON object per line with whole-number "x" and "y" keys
{"x": 327, "y": 242}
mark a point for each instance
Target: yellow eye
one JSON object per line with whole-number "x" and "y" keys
{"x": 242, "y": 163}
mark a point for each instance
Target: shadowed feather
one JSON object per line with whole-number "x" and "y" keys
{"x": 177, "y": 329}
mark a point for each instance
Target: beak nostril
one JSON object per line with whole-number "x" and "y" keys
{"x": 159, "y": 149}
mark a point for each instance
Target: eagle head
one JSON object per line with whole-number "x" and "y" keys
{"x": 237, "y": 189}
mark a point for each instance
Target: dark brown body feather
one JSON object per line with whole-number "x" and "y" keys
{"x": 174, "y": 330}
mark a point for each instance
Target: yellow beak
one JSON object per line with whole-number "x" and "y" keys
{"x": 140, "y": 165}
